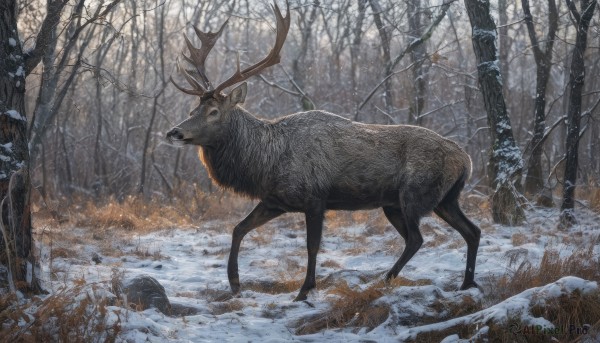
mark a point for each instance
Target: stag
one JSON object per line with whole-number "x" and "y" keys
{"x": 315, "y": 161}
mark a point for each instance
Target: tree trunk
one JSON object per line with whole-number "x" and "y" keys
{"x": 16, "y": 248}
{"x": 503, "y": 42}
{"x": 417, "y": 22}
{"x": 299, "y": 69}
{"x": 385, "y": 36}
{"x": 355, "y": 52}
{"x": 505, "y": 163}
{"x": 534, "y": 182}
{"x": 576, "y": 80}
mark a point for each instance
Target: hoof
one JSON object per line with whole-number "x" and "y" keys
{"x": 467, "y": 285}
{"x": 235, "y": 289}
{"x": 301, "y": 297}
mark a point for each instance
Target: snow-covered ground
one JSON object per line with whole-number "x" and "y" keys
{"x": 191, "y": 264}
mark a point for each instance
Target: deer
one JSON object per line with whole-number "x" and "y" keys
{"x": 315, "y": 161}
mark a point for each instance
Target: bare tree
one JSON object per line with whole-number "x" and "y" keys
{"x": 534, "y": 181}
{"x": 582, "y": 17}
{"x": 299, "y": 68}
{"x": 417, "y": 21}
{"x": 357, "y": 34}
{"x": 15, "y": 65}
{"x": 385, "y": 36}
{"x": 505, "y": 162}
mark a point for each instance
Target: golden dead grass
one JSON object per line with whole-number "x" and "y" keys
{"x": 374, "y": 221}
{"x": 232, "y": 305}
{"x": 354, "y": 308}
{"x": 519, "y": 238}
{"x": 565, "y": 312}
{"x": 569, "y": 314}
{"x": 139, "y": 214}
{"x": 133, "y": 214}
{"x": 331, "y": 264}
{"x": 589, "y": 193}
{"x": 287, "y": 285}
{"x": 350, "y": 308}
{"x": 582, "y": 263}
{"x": 359, "y": 308}
{"x": 70, "y": 315}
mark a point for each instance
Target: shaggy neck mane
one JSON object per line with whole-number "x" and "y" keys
{"x": 244, "y": 160}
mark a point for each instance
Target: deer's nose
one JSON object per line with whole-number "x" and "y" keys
{"x": 175, "y": 133}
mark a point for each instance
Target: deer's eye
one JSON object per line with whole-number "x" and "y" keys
{"x": 213, "y": 113}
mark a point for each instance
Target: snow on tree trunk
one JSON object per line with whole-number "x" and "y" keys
{"x": 16, "y": 243}
{"x": 505, "y": 164}
{"x": 576, "y": 80}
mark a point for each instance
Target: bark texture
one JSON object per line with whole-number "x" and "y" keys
{"x": 505, "y": 163}
{"x": 16, "y": 243}
{"x": 534, "y": 181}
{"x": 576, "y": 80}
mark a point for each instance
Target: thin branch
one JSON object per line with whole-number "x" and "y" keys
{"x": 278, "y": 86}
{"x": 440, "y": 108}
{"x": 415, "y": 43}
{"x": 44, "y": 37}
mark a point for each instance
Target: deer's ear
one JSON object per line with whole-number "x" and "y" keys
{"x": 237, "y": 95}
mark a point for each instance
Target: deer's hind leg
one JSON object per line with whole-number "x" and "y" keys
{"x": 450, "y": 212}
{"x": 408, "y": 227}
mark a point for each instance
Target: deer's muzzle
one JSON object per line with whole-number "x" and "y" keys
{"x": 175, "y": 134}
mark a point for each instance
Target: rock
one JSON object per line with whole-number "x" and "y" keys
{"x": 96, "y": 258}
{"x": 144, "y": 291}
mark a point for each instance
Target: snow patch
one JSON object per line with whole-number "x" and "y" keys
{"x": 12, "y": 42}
{"x": 517, "y": 306}
{"x": 192, "y": 268}
{"x": 481, "y": 34}
{"x": 14, "y": 115}
{"x": 20, "y": 71}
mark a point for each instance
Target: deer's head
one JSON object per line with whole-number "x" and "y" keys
{"x": 209, "y": 121}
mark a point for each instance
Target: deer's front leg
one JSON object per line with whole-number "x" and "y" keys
{"x": 260, "y": 215}
{"x": 314, "y": 229}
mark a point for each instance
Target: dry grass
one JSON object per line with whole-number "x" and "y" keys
{"x": 75, "y": 314}
{"x": 570, "y": 315}
{"x": 283, "y": 285}
{"x": 232, "y": 305}
{"x": 354, "y": 308}
{"x": 519, "y": 239}
{"x": 589, "y": 193}
{"x": 139, "y": 214}
{"x": 62, "y": 252}
{"x": 351, "y": 307}
{"x": 133, "y": 214}
{"x": 262, "y": 236}
{"x": 475, "y": 203}
{"x": 331, "y": 264}
{"x": 582, "y": 263}
{"x": 374, "y": 221}
{"x": 567, "y": 312}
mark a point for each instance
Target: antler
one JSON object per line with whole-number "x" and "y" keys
{"x": 197, "y": 59}
{"x": 197, "y": 78}
{"x": 283, "y": 25}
